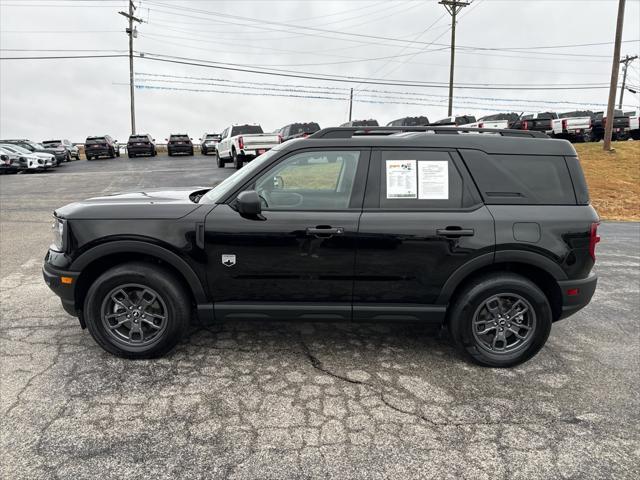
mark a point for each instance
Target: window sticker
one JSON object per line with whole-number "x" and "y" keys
{"x": 433, "y": 180}
{"x": 401, "y": 179}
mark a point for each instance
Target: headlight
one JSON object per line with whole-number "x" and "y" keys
{"x": 57, "y": 228}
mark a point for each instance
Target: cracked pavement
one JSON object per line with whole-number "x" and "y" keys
{"x": 301, "y": 400}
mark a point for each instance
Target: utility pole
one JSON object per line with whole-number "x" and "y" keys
{"x": 350, "y": 103}
{"x": 626, "y": 61}
{"x": 132, "y": 34}
{"x": 608, "y": 128}
{"x": 453, "y": 7}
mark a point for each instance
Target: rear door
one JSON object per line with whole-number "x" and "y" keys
{"x": 422, "y": 220}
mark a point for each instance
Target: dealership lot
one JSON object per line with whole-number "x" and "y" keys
{"x": 289, "y": 400}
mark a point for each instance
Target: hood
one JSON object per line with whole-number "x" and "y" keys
{"x": 51, "y": 150}
{"x": 43, "y": 154}
{"x": 149, "y": 204}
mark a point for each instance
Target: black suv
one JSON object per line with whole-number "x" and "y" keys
{"x": 297, "y": 130}
{"x": 179, "y": 143}
{"x": 102, "y": 146}
{"x": 490, "y": 235}
{"x": 141, "y": 144}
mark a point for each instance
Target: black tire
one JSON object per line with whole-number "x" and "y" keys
{"x": 130, "y": 155}
{"x": 89, "y": 157}
{"x": 171, "y": 295}
{"x": 219, "y": 161}
{"x": 112, "y": 153}
{"x": 237, "y": 160}
{"x": 471, "y": 300}
{"x": 203, "y": 150}
{"x": 67, "y": 157}
{"x": 169, "y": 154}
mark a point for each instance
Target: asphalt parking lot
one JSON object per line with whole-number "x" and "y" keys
{"x": 312, "y": 400}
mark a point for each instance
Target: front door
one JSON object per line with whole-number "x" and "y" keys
{"x": 297, "y": 259}
{"x": 422, "y": 220}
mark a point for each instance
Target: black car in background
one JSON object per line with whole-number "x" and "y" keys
{"x": 361, "y": 123}
{"x": 297, "y": 130}
{"x": 620, "y": 125}
{"x": 409, "y": 122}
{"x": 141, "y": 144}
{"x": 60, "y": 153}
{"x": 101, "y": 146}
{"x": 456, "y": 120}
{"x": 536, "y": 122}
{"x": 179, "y": 143}
{"x": 208, "y": 142}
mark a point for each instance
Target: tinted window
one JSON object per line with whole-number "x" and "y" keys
{"x": 138, "y": 138}
{"x": 319, "y": 180}
{"x": 512, "y": 117}
{"x": 212, "y": 136}
{"x": 52, "y": 143}
{"x": 297, "y": 128}
{"x": 95, "y": 141}
{"x": 245, "y": 130}
{"x": 521, "y": 179}
{"x": 419, "y": 179}
{"x": 179, "y": 138}
{"x": 547, "y": 116}
{"x": 447, "y": 120}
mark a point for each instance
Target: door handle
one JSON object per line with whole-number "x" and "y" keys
{"x": 454, "y": 232}
{"x": 324, "y": 231}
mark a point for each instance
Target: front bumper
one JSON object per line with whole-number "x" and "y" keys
{"x": 66, "y": 291}
{"x": 576, "y": 294}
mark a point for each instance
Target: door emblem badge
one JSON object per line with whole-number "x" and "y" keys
{"x": 228, "y": 260}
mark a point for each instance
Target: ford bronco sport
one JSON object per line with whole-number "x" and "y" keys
{"x": 487, "y": 232}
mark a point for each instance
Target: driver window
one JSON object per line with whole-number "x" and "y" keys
{"x": 316, "y": 180}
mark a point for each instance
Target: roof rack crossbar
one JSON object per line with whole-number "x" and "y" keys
{"x": 348, "y": 132}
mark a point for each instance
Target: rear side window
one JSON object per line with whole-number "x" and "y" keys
{"x": 521, "y": 179}
{"x": 420, "y": 179}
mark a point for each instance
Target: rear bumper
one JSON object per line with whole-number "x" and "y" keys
{"x": 97, "y": 152}
{"x": 180, "y": 148}
{"x": 140, "y": 150}
{"x": 66, "y": 292}
{"x": 576, "y": 294}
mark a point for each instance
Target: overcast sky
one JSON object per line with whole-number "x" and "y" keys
{"x": 383, "y": 39}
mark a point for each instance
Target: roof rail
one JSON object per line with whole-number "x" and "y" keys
{"x": 348, "y": 132}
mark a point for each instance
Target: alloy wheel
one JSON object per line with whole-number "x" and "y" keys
{"x": 504, "y": 323}
{"x": 134, "y": 315}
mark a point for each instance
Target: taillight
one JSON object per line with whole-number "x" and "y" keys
{"x": 564, "y": 124}
{"x": 525, "y": 125}
{"x": 240, "y": 143}
{"x": 594, "y": 238}
{"x": 481, "y": 125}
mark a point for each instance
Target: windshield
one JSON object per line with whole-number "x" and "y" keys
{"x": 16, "y": 149}
{"x": 211, "y": 136}
{"x": 95, "y": 141}
{"x": 223, "y": 188}
{"x": 245, "y": 130}
{"x": 52, "y": 143}
{"x": 138, "y": 138}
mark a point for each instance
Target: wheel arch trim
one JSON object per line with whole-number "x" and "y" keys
{"x": 133, "y": 246}
{"x": 495, "y": 259}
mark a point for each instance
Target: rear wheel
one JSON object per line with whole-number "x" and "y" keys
{"x": 130, "y": 155}
{"x": 137, "y": 310}
{"x": 89, "y": 157}
{"x": 500, "y": 320}
{"x": 191, "y": 153}
{"x": 112, "y": 153}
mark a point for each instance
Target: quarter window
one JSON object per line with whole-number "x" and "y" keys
{"x": 316, "y": 180}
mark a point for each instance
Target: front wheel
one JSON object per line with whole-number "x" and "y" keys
{"x": 500, "y": 320}
{"x": 219, "y": 161}
{"x": 137, "y": 310}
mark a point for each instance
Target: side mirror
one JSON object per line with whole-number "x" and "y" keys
{"x": 248, "y": 203}
{"x": 191, "y": 139}
{"x": 153, "y": 139}
{"x": 200, "y": 139}
{"x": 278, "y": 182}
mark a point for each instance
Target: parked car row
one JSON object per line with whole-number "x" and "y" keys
{"x": 23, "y": 155}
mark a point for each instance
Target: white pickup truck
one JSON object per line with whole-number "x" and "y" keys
{"x": 576, "y": 126}
{"x": 496, "y": 120}
{"x": 634, "y": 127}
{"x": 242, "y": 143}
